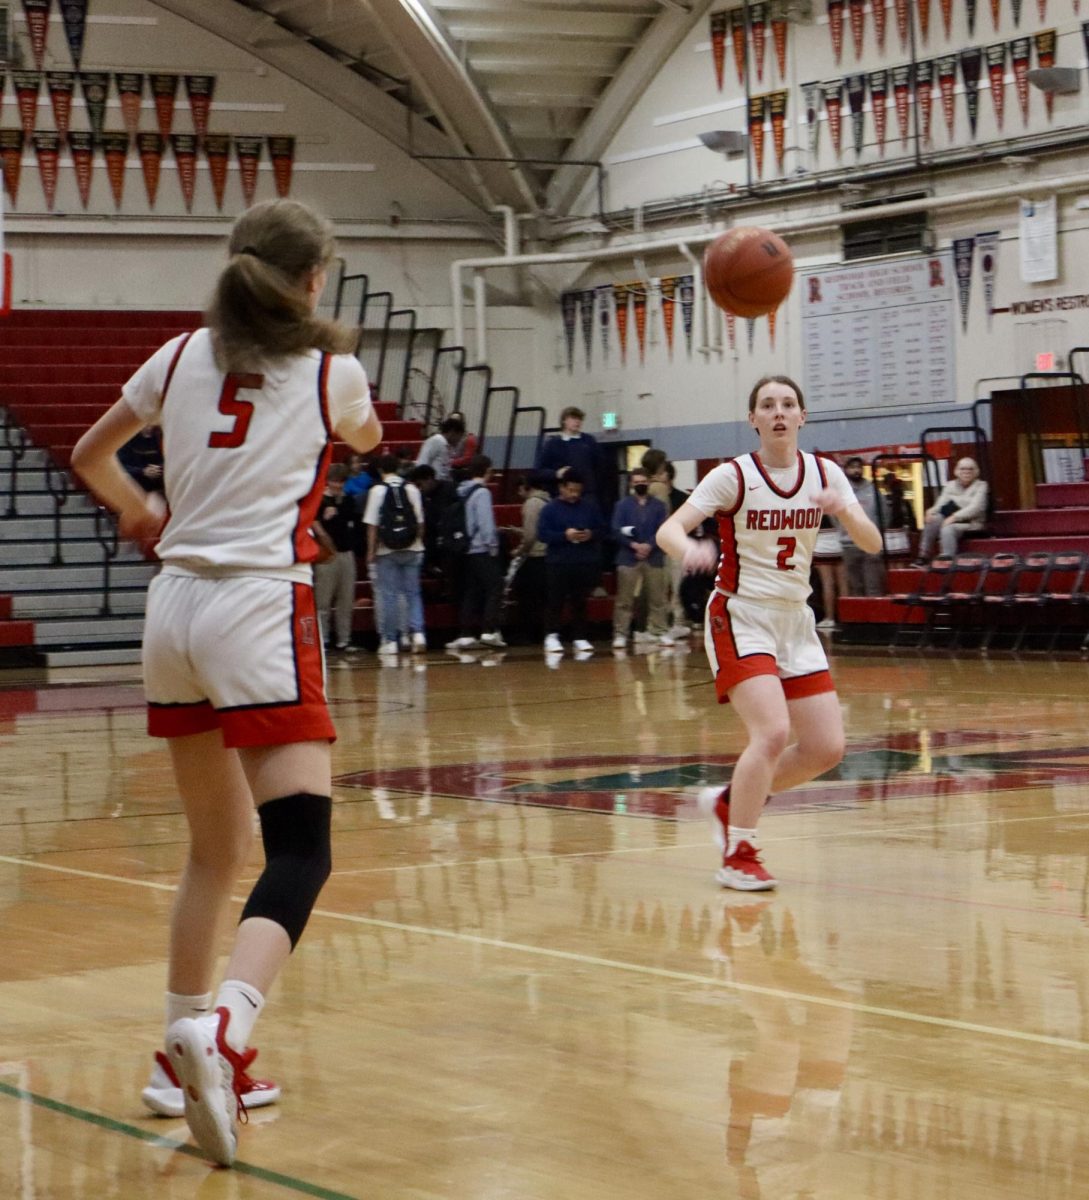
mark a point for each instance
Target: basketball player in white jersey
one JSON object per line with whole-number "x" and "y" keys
{"x": 760, "y": 633}
{"x": 233, "y": 666}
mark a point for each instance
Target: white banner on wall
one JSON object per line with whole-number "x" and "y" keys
{"x": 880, "y": 335}
{"x": 1039, "y": 241}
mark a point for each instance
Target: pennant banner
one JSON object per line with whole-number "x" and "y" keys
{"x": 971, "y": 63}
{"x": 130, "y": 90}
{"x": 115, "y": 150}
{"x": 687, "y": 290}
{"x": 756, "y": 132}
{"x": 95, "y": 86}
{"x": 996, "y": 73}
{"x": 737, "y": 40}
{"x": 1015, "y": 5}
{"x": 669, "y": 310}
{"x": 217, "y": 150}
{"x": 11, "y": 160}
{"x": 811, "y": 95}
{"x": 771, "y": 326}
{"x": 988, "y": 269}
{"x": 27, "y": 84}
{"x": 639, "y": 305}
{"x": 1020, "y": 57}
{"x": 923, "y": 7}
{"x": 779, "y": 40}
{"x": 719, "y": 28}
{"x": 248, "y": 151}
{"x": 74, "y": 16}
{"x": 970, "y": 8}
{"x": 200, "y": 89}
{"x": 620, "y": 299}
{"x": 731, "y": 330}
{"x": 61, "y": 85}
{"x": 880, "y": 20}
{"x": 37, "y": 23}
{"x": 164, "y": 91}
{"x": 750, "y": 333}
{"x": 924, "y": 96}
{"x": 835, "y": 26}
{"x": 281, "y": 150}
{"x": 901, "y": 97}
{"x": 947, "y": 18}
{"x": 833, "y": 103}
{"x": 947, "y": 83}
{"x": 903, "y": 17}
{"x": 856, "y": 99}
{"x": 857, "y": 10}
{"x": 879, "y": 90}
{"x": 81, "y": 145}
{"x": 149, "y": 146}
{"x": 758, "y": 16}
{"x": 996, "y": 12}
{"x": 963, "y": 251}
{"x": 47, "y": 150}
{"x": 586, "y": 320}
{"x": 184, "y": 146}
{"x": 1045, "y": 57}
{"x": 777, "y": 110}
{"x": 569, "y": 306}
{"x": 604, "y": 316}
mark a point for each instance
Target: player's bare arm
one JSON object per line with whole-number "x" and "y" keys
{"x": 365, "y": 437}
{"x": 672, "y": 537}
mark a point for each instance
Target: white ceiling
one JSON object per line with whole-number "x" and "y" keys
{"x": 472, "y": 80}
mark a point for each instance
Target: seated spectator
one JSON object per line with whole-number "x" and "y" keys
{"x": 572, "y": 528}
{"x": 437, "y": 451}
{"x": 640, "y": 562}
{"x": 865, "y": 572}
{"x": 395, "y": 569}
{"x": 334, "y": 579}
{"x": 142, "y": 459}
{"x": 960, "y": 508}
{"x": 572, "y": 450}
{"x": 463, "y": 452}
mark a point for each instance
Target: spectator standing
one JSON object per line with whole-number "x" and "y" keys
{"x": 464, "y": 451}
{"x": 142, "y": 459}
{"x": 437, "y": 451}
{"x": 639, "y": 561}
{"x": 530, "y": 580}
{"x": 482, "y": 581}
{"x": 436, "y": 494}
{"x": 359, "y": 481}
{"x": 395, "y": 569}
{"x": 572, "y": 528}
{"x": 334, "y": 580}
{"x": 572, "y": 450}
{"x": 865, "y": 572}
{"x": 960, "y": 508}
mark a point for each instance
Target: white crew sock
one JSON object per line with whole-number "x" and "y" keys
{"x": 735, "y": 834}
{"x": 178, "y": 1006}
{"x": 244, "y": 1002}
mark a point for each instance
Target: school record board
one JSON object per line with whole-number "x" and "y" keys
{"x": 880, "y": 335}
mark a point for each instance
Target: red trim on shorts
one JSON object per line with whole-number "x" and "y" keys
{"x": 277, "y": 725}
{"x": 733, "y": 668}
{"x": 797, "y": 687}
{"x": 768, "y": 480}
{"x": 729, "y": 563}
{"x": 181, "y": 720}
{"x": 306, "y": 548}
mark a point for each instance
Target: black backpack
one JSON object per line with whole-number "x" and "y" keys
{"x": 454, "y": 537}
{"x": 398, "y": 527}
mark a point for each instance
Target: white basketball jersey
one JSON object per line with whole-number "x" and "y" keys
{"x": 245, "y": 455}
{"x": 766, "y": 529}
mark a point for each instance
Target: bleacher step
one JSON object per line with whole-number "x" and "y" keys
{"x": 1062, "y": 495}
{"x": 1041, "y": 522}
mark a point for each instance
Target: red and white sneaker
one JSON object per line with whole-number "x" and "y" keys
{"x": 163, "y": 1094}
{"x": 714, "y": 803}
{"x": 210, "y": 1073}
{"x": 744, "y": 872}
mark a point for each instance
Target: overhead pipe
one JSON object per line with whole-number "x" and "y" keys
{"x": 1062, "y": 183}
{"x": 511, "y": 244}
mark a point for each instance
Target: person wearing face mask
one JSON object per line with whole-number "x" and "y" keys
{"x": 640, "y": 563}
{"x": 960, "y": 508}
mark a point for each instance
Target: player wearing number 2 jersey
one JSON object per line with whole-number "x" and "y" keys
{"x": 760, "y": 634}
{"x": 232, "y": 651}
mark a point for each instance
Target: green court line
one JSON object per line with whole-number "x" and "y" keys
{"x": 154, "y": 1139}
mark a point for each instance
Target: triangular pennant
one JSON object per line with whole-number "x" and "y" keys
{"x": 639, "y": 305}
{"x": 200, "y": 89}
{"x": 686, "y": 289}
{"x": 835, "y": 26}
{"x": 130, "y": 91}
{"x": 1020, "y": 57}
{"x": 74, "y": 16}
{"x": 996, "y": 12}
{"x": 777, "y": 111}
{"x": 95, "y": 86}
{"x": 1015, "y": 7}
{"x": 857, "y": 11}
{"x": 586, "y": 321}
{"x": 903, "y": 19}
{"x": 879, "y": 90}
{"x": 901, "y": 96}
{"x": 923, "y": 9}
{"x": 27, "y": 85}
{"x": 669, "y": 310}
{"x": 739, "y": 43}
{"x": 115, "y": 150}
{"x": 924, "y": 96}
{"x": 880, "y": 21}
{"x": 164, "y": 91}
{"x": 281, "y": 151}
{"x": 750, "y": 333}
{"x": 47, "y": 150}
{"x": 719, "y": 29}
{"x": 779, "y": 40}
{"x": 1045, "y": 57}
{"x": 987, "y": 244}
{"x": 620, "y": 297}
{"x": 184, "y": 146}
{"x": 856, "y": 100}
{"x": 970, "y": 8}
{"x": 963, "y": 252}
{"x": 569, "y": 310}
{"x": 947, "y": 83}
{"x": 604, "y": 316}
{"x": 217, "y": 150}
{"x": 971, "y": 62}
{"x": 61, "y": 85}
{"x": 757, "y": 106}
{"x": 11, "y": 160}
{"x": 833, "y": 103}
{"x": 758, "y": 17}
{"x": 81, "y": 145}
{"x": 248, "y": 151}
{"x": 996, "y": 73}
{"x": 37, "y": 23}
{"x": 811, "y": 96}
{"x": 947, "y": 18}
{"x": 772, "y": 316}
{"x": 149, "y": 146}
{"x": 731, "y": 329}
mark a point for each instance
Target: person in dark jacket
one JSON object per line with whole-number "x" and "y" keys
{"x": 572, "y": 528}
{"x": 639, "y": 560}
{"x": 572, "y": 450}
{"x": 142, "y": 459}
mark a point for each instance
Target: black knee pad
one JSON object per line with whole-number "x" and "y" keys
{"x": 295, "y": 832}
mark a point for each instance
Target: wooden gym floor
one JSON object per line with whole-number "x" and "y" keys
{"x": 523, "y": 983}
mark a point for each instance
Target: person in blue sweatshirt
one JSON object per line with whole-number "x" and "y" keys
{"x": 572, "y": 528}
{"x": 636, "y": 521}
{"x": 572, "y": 450}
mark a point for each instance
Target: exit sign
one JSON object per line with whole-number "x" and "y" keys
{"x": 610, "y": 420}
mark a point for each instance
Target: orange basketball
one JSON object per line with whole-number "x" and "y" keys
{"x": 748, "y": 271}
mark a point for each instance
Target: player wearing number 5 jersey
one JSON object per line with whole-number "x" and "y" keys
{"x": 232, "y": 652}
{"x": 760, "y": 633}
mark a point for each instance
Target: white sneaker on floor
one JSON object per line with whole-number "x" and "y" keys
{"x": 827, "y": 623}
{"x": 681, "y": 631}
{"x": 620, "y": 643}
{"x": 552, "y": 644}
{"x": 389, "y": 648}
{"x": 206, "y": 1069}
{"x": 642, "y": 637}
{"x": 583, "y": 646}
{"x": 419, "y": 643}
{"x": 163, "y": 1094}
{"x": 493, "y": 639}
{"x": 461, "y": 643}
{"x": 666, "y": 640}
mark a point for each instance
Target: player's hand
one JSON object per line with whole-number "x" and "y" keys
{"x": 700, "y": 557}
{"x": 144, "y": 524}
{"x": 831, "y": 501}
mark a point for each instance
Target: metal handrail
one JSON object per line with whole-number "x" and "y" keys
{"x": 108, "y": 539}
{"x": 57, "y": 482}
{"x": 15, "y": 440}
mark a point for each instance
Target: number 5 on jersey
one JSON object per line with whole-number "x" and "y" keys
{"x": 231, "y": 406}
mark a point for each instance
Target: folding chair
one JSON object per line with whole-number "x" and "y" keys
{"x": 956, "y": 601}
{"x": 933, "y": 583}
{"x": 1029, "y": 591}
{"x": 1064, "y": 598}
{"x": 997, "y": 598}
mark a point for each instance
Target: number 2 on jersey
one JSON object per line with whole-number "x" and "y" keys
{"x": 231, "y": 406}
{"x": 789, "y": 545}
